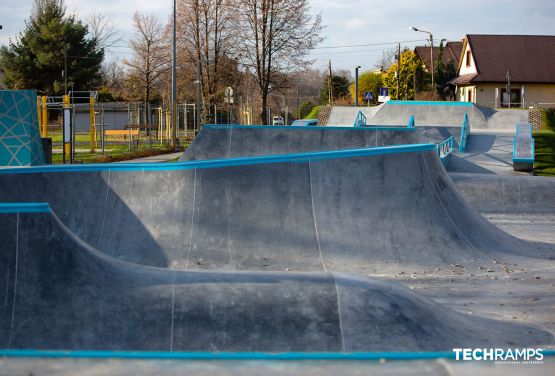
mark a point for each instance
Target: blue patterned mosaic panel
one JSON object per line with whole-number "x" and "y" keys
{"x": 19, "y": 129}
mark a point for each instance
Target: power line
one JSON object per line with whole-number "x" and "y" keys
{"x": 333, "y": 53}
{"x": 370, "y": 44}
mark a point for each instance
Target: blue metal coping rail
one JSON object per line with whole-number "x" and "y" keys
{"x": 532, "y": 148}
{"x": 24, "y": 207}
{"x": 411, "y": 122}
{"x": 360, "y": 120}
{"x": 430, "y": 103}
{"x": 464, "y": 133}
{"x": 304, "y": 127}
{"x": 216, "y": 163}
{"x": 289, "y": 356}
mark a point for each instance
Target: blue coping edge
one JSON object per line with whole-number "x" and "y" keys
{"x": 532, "y": 159}
{"x": 24, "y": 207}
{"x": 234, "y": 355}
{"x": 430, "y": 103}
{"x": 367, "y": 127}
{"x": 215, "y": 163}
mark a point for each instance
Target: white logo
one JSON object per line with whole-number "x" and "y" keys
{"x": 501, "y": 356}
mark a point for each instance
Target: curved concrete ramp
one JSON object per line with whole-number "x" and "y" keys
{"x": 377, "y": 210}
{"x": 62, "y": 294}
{"x": 221, "y": 142}
{"x": 431, "y": 113}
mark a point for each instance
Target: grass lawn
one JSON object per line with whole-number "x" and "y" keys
{"x": 544, "y": 142}
{"x": 115, "y": 150}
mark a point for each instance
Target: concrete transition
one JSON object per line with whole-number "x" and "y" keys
{"x": 221, "y": 142}
{"x": 356, "y": 211}
{"x": 248, "y": 254}
{"x": 20, "y": 143}
{"x": 431, "y": 114}
{"x": 74, "y": 297}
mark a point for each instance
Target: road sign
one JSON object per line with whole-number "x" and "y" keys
{"x": 368, "y": 95}
{"x": 384, "y": 95}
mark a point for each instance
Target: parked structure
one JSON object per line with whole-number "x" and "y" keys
{"x": 492, "y": 66}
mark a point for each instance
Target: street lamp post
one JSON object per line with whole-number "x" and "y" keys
{"x": 356, "y": 85}
{"x": 174, "y": 83}
{"x": 431, "y": 51}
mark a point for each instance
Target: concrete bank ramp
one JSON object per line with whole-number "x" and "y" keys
{"x": 380, "y": 210}
{"x": 508, "y": 194}
{"x": 62, "y": 294}
{"x": 432, "y": 113}
{"x": 344, "y": 116}
{"x": 221, "y": 142}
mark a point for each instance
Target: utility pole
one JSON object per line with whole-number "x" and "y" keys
{"x": 398, "y": 68}
{"x": 199, "y": 100}
{"x": 431, "y": 51}
{"x": 356, "y": 85}
{"x": 432, "y": 60}
{"x": 175, "y": 141}
{"x": 65, "y": 67}
{"x": 330, "y": 86}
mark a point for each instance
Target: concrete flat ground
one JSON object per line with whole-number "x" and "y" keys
{"x": 487, "y": 153}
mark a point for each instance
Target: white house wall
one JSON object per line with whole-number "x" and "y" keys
{"x": 464, "y": 68}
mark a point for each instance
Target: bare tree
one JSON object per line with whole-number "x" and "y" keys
{"x": 206, "y": 32}
{"x": 277, "y": 36}
{"x": 112, "y": 75}
{"x": 387, "y": 60}
{"x": 150, "y": 55}
{"x": 101, "y": 27}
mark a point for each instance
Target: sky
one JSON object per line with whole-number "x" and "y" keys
{"x": 377, "y": 25}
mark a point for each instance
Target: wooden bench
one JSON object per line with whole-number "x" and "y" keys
{"x": 122, "y": 132}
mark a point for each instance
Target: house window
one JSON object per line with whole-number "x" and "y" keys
{"x": 515, "y": 98}
{"x": 467, "y": 58}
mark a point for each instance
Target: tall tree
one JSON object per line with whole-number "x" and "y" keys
{"x": 443, "y": 74}
{"x": 150, "y": 55}
{"x": 367, "y": 81}
{"x": 36, "y": 59}
{"x": 102, "y": 28}
{"x": 409, "y": 72}
{"x": 340, "y": 88}
{"x": 206, "y": 35}
{"x": 276, "y": 37}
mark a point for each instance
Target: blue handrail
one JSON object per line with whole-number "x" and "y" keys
{"x": 464, "y": 133}
{"x": 446, "y": 147}
{"x": 411, "y": 122}
{"x": 360, "y": 120}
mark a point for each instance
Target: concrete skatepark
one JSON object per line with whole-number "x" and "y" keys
{"x": 273, "y": 239}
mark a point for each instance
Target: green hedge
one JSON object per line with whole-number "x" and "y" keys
{"x": 548, "y": 119}
{"x": 314, "y": 113}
